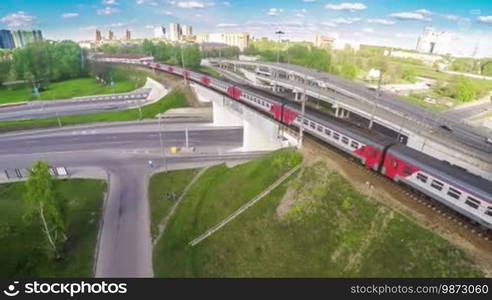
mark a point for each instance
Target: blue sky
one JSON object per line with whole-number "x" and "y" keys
{"x": 384, "y": 22}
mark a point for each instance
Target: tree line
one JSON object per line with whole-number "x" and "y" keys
{"x": 189, "y": 55}
{"x": 42, "y": 62}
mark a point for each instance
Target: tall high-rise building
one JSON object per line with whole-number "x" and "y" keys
{"x": 98, "y": 36}
{"x": 128, "y": 35}
{"x": 159, "y": 32}
{"x": 434, "y": 42}
{"x": 174, "y": 33}
{"x": 16, "y": 35}
{"x": 110, "y": 35}
{"x": 23, "y": 37}
{"x": 38, "y": 36}
{"x": 6, "y": 40}
{"x": 187, "y": 30}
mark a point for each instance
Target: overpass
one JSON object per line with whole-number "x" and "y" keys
{"x": 419, "y": 128}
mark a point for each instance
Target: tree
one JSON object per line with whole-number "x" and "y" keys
{"x": 464, "y": 90}
{"x": 41, "y": 202}
{"x": 486, "y": 68}
{"x": 148, "y": 47}
{"x": 409, "y": 75}
{"x": 192, "y": 56}
{"x": 349, "y": 70}
{"x": 5, "y": 65}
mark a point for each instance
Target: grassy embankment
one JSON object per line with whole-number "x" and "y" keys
{"x": 21, "y": 253}
{"x": 65, "y": 89}
{"x": 315, "y": 224}
{"x": 172, "y": 100}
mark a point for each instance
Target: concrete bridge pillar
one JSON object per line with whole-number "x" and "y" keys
{"x": 260, "y": 133}
{"x": 223, "y": 116}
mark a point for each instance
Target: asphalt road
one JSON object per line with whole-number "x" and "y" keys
{"x": 461, "y": 136}
{"x": 468, "y": 112}
{"x": 124, "y": 246}
{"x": 70, "y": 107}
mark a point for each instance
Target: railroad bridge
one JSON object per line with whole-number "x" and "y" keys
{"x": 421, "y": 129}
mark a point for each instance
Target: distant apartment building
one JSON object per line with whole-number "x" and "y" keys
{"x": 432, "y": 41}
{"x": 174, "y": 33}
{"x": 240, "y": 40}
{"x": 332, "y": 41}
{"x": 159, "y": 32}
{"x": 98, "y": 36}
{"x": 128, "y": 35}
{"x": 110, "y": 35}
{"x": 6, "y": 40}
{"x": 186, "y": 30}
{"x": 323, "y": 41}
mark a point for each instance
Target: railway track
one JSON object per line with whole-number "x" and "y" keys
{"x": 432, "y": 206}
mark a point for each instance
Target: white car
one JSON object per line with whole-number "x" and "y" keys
{"x": 489, "y": 140}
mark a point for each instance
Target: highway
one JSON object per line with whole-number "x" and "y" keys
{"x": 70, "y": 107}
{"x": 468, "y": 112}
{"x": 123, "y": 151}
{"x": 361, "y": 100}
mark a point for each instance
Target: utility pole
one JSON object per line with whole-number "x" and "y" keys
{"x": 183, "y": 65}
{"x": 278, "y": 33}
{"x": 58, "y": 119}
{"x": 164, "y": 161}
{"x": 303, "y": 112}
{"x": 140, "y": 109}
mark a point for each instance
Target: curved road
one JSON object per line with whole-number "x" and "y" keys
{"x": 124, "y": 247}
{"x": 70, "y": 107}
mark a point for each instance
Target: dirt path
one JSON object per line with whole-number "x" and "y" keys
{"x": 387, "y": 192}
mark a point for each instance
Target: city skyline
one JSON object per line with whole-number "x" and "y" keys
{"x": 378, "y": 22}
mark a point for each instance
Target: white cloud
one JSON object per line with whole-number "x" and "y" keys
{"x": 368, "y": 30}
{"x": 191, "y": 4}
{"x": 226, "y": 4}
{"x": 308, "y": 1}
{"x": 346, "y": 21}
{"x": 110, "y": 2}
{"x": 485, "y": 19}
{"x": 150, "y": 2}
{"x": 149, "y": 26}
{"x": 415, "y": 16}
{"x": 347, "y": 6}
{"x": 380, "y": 21}
{"x": 18, "y": 19}
{"x": 166, "y": 12}
{"x": 275, "y": 11}
{"x": 424, "y": 12}
{"x": 70, "y": 15}
{"x": 108, "y": 11}
{"x": 453, "y": 17}
{"x": 226, "y": 25}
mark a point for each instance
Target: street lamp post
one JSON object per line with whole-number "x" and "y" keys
{"x": 183, "y": 65}
{"x": 164, "y": 161}
{"x": 303, "y": 111}
{"x": 278, "y": 33}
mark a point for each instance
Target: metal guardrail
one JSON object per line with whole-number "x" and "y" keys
{"x": 23, "y": 173}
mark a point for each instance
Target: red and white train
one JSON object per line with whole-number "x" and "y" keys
{"x": 456, "y": 188}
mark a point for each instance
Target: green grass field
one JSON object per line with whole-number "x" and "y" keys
{"x": 172, "y": 100}
{"x": 21, "y": 254}
{"x": 163, "y": 191}
{"x": 66, "y": 89}
{"x": 315, "y": 224}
